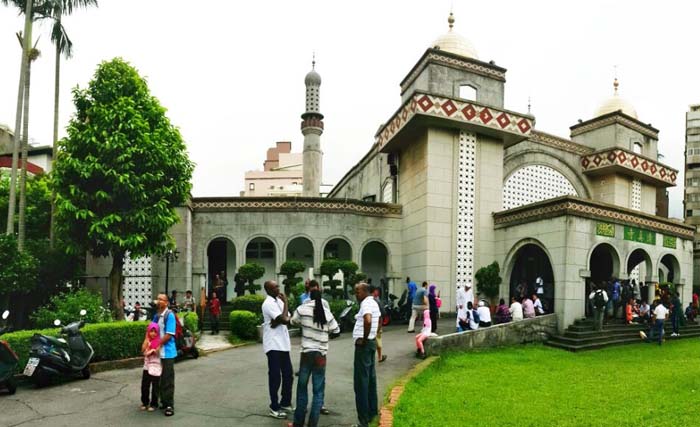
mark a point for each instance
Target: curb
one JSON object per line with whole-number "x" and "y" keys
{"x": 386, "y": 413}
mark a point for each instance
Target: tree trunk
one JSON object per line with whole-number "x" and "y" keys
{"x": 115, "y": 286}
{"x": 57, "y": 86}
{"x": 21, "y": 228}
{"x": 26, "y": 46}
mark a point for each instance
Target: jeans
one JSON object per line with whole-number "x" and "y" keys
{"x": 365, "y": 382}
{"x": 675, "y": 322}
{"x": 279, "y": 370}
{"x": 658, "y": 328}
{"x": 215, "y": 323}
{"x": 598, "y": 315}
{"x": 151, "y": 384}
{"x": 167, "y": 383}
{"x": 313, "y": 365}
{"x": 433, "y": 321}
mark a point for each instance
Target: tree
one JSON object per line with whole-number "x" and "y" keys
{"x": 349, "y": 268}
{"x": 251, "y": 272}
{"x": 329, "y": 268}
{"x": 290, "y": 269}
{"x": 64, "y": 46}
{"x": 120, "y": 172}
{"x": 18, "y": 274}
{"x": 488, "y": 280}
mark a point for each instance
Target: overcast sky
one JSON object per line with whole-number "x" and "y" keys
{"x": 231, "y": 73}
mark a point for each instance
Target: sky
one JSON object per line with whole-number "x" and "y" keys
{"x": 231, "y": 73}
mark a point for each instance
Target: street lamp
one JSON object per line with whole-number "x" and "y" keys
{"x": 169, "y": 254}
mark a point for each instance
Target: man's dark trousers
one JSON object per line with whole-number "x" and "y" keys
{"x": 365, "y": 382}
{"x": 279, "y": 370}
{"x": 167, "y": 383}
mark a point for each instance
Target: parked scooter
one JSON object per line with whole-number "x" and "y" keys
{"x": 69, "y": 354}
{"x": 8, "y": 360}
{"x": 346, "y": 319}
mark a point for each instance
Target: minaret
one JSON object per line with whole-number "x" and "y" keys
{"x": 312, "y": 128}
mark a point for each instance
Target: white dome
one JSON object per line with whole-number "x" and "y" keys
{"x": 616, "y": 103}
{"x": 455, "y": 43}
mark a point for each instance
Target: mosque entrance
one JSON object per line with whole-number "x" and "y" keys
{"x": 669, "y": 269}
{"x": 221, "y": 261}
{"x": 604, "y": 265}
{"x": 531, "y": 266}
{"x": 374, "y": 262}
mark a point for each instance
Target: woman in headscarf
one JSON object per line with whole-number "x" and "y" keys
{"x": 432, "y": 303}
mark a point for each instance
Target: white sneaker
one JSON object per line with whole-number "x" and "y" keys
{"x": 287, "y": 409}
{"x": 642, "y": 335}
{"x": 674, "y": 334}
{"x": 277, "y": 414}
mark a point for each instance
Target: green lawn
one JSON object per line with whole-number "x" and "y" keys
{"x": 634, "y": 385}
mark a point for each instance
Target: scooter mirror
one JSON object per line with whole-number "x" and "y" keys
{"x": 83, "y": 312}
{"x": 57, "y": 322}
{"x": 5, "y": 314}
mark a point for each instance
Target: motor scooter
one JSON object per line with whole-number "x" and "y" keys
{"x": 66, "y": 355}
{"x": 8, "y": 360}
{"x": 346, "y": 319}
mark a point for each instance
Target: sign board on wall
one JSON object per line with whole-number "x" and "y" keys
{"x": 605, "y": 229}
{"x": 640, "y": 235}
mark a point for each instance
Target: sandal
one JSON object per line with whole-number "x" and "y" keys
{"x": 143, "y": 407}
{"x": 384, "y": 356}
{"x": 169, "y": 412}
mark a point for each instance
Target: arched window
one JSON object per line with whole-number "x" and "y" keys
{"x": 467, "y": 92}
{"x": 637, "y": 147}
{"x": 535, "y": 183}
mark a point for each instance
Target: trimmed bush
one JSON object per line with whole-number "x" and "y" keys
{"x": 252, "y": 303}
{"x": 67, "y": 306}
{"x": 192, "y": 321}
{"x": 111, "y": 341}
{"x": 244, "y": 324}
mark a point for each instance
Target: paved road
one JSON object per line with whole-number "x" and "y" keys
{"x": 225, "y": 388}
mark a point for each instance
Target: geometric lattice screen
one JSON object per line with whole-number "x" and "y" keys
{"x": 137, "y": 280}
{"x": 466, "y": 195}
{"x": 636, "y": 202}
{"x": 535, "y": 183}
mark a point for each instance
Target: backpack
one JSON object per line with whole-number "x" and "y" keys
{"x": 475, "y": 316}
{"x": 598, "y": 299}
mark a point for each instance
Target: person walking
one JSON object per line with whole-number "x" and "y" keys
{"x": 276, "y": 346}
{"x": 189, "y": 304}
{"x": 165, "y": 319}
{"x": 676, "y": 314}
{"x": 376, "y": 294}
{"x": 599, "y": 298}
{"x": 434, "y": 309}
{"x": 318, "y": 326}
{"x": 660, "y": 315}
{"x": 215, "y": 311}
{"x": 364, "y": 373}
{"x": 420, "y": 303}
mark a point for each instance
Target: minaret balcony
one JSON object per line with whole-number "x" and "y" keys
{"x": 618, "y": 160}
{"x": 422, "y": 110}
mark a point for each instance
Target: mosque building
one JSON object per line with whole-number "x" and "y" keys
{"x": 453, "y": 182}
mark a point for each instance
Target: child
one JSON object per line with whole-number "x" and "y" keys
{"x": 151, "y": 368}
{"x": 424, "y": 334}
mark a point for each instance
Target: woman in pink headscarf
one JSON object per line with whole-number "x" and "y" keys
{"x": 424, "y": 334}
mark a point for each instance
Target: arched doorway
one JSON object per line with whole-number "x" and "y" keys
{"x": 300, "y": 249}
{"x": 221, "y": 257}
{"x": 673, "y": 269}
{"x": 604, "y": 263}
{"x": 262, "y": 251}
{"x": 374, "y": 261}
{"x": 338, "y": 248}
{"x": 639, "y": 266}
{"x": 530, "y": 263}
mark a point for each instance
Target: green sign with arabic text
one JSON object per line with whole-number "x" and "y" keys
{"x": 640, "y": 235}
{"x": 605, "y": 229}
{"x": 670, "y": 242}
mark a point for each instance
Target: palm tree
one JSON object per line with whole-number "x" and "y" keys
{"x": 26, "y": 8}
{"x": 64, "y": 46}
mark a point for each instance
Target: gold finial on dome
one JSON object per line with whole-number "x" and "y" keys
{"x": 451, "y": 20}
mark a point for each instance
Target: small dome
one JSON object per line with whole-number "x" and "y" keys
{"x": 312, "y": 78}
{"x": 616, "y": 103}
{"x": 455, "y": 43}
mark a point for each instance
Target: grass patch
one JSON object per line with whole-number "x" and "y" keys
{"x": 641, "y": 385}
{"x": 234, "y": 340}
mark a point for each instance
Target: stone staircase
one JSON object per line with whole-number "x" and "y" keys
{"x": 581, "y": 336}
{"x": 224, "y": 324}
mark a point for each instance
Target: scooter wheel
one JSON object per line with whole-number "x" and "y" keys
{"x": 386, "y": 320}
{"x": 11, "y": 386}
{"x": 195, "y": 352}
{"x": 85, "y": 373}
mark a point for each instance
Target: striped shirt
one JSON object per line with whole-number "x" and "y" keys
{"x": 314, "y": 337}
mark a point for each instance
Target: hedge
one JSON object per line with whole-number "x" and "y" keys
{"x": 111, "y": 341}
{"x": 252, "y": 303}
{"x": 192, "y": 321}
{"x": 244, "y": 324}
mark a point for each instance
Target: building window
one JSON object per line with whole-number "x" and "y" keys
{"x": 535, "y": 183}
{"x": 371, "y": 198}
{"x": 388, "y": 191}
{"x": 251, "y": 186}
{"x": 688, "y": 213}
{"x": 467, "y": 92}
{"x": 260, "y": 250}
{"x": 637, "y": 147}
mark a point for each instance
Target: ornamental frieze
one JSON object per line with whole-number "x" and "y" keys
{"x": 618, "y": 157}
{"x": 296, "y": 204}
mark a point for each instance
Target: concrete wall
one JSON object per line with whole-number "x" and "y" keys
{"x": 524, "y": 331}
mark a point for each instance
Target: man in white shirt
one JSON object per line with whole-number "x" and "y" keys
{"x": 537, "y": 303}
{"x": 364, "y": 335}
{"x": 660, "y": 315}
{"x": 461, "y": 300}
{"x": 484, "y": 315}
{"x": 277, "y": 347}
{"x": 516, "y": 310}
